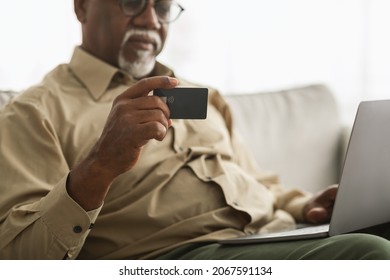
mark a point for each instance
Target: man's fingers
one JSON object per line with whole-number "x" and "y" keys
{"x": 154, "y": 116}
{"x": 152, "y": 130}
{"x": 318, "y": 215}
{"x": 327, "y": 197}
{"x": 146, "y": 85}
{"x": 331, "y": 191}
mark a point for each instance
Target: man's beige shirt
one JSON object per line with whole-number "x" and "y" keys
{"x": 198, "y": 184}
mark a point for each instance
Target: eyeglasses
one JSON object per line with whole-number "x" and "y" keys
{"x": 167, "y": 11}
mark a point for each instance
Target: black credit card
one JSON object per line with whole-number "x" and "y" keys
{"x": 185, "y": 103}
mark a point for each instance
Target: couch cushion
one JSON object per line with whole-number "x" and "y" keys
{"x": 294, "y": 132}
{"x": 5, "y": 97}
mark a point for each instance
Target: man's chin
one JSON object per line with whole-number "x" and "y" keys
{"x": 138, "y": 69}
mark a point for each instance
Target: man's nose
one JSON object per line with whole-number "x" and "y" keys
{"x": 148, "y": 18}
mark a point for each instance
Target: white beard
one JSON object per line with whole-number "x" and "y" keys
{"x": 146, "y": 59}
{"x": 140, "y": 67}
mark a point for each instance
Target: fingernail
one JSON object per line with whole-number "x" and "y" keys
{"x": 173, "y": 81}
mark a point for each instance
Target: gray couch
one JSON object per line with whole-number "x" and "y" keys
{"x": 295, "y": 132}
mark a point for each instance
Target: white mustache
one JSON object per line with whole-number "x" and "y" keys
{"x": 151, "y": 35}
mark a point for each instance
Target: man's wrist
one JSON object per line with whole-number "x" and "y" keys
{"x": 88, "y": 186}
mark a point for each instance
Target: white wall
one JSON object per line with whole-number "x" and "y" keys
{"x": 239, "y": 46}
{"x": 35, "y": 35}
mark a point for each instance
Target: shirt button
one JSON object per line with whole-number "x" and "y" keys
{"x": 77, "y": 229}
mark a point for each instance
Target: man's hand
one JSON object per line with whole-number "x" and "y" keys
{"x": 319, "y": 209}
{"x": 134, "y": 119}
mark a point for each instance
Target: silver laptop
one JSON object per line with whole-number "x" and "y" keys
{"x": 363, "y": 198}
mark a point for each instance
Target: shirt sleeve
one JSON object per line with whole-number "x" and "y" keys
{"x": 292, "y": 200}
{"x": 38, "y": 219}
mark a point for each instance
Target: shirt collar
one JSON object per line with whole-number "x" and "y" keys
{"x": 97, "y": 75}
{"x": 93, "y": 73}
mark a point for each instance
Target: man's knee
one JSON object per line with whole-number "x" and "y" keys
{"x": 360, "y": 246}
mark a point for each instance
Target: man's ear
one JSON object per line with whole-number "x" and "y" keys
{"x": 80, "y": 9}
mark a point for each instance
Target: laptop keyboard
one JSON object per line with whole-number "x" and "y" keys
{"x": 301, "y": 230}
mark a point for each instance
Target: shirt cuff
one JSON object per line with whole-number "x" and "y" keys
{"x": 67, "y": 220}
{"x": 296, "y": 205}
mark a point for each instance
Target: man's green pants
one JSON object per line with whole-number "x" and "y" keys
{"x": 354, "y": 246}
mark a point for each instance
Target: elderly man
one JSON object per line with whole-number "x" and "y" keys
{"x": 92, "y": 167}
